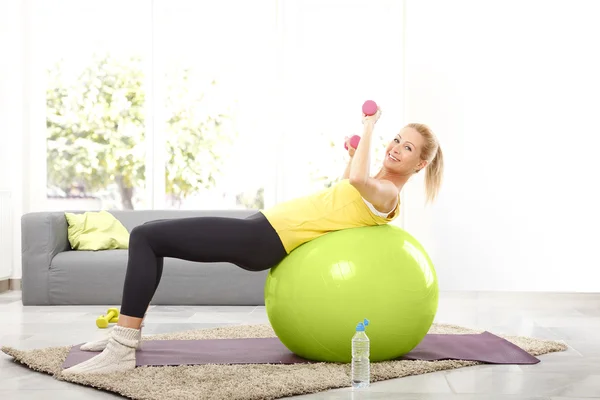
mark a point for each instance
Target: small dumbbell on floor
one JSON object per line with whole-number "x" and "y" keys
{"x": 111, "y": 317}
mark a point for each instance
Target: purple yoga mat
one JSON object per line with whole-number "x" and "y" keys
{"x": 484, "y": 347}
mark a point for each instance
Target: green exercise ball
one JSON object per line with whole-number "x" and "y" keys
{"x": 319, "y": 293}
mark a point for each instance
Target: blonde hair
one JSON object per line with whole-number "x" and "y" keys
{"x": 432, "y": 153}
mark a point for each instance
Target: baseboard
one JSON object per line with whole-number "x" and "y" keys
{"x": 10, "y": 284}
{"x": 15, "y": 284}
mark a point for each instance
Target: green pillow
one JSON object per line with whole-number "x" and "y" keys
{"x": 96, "y": 231}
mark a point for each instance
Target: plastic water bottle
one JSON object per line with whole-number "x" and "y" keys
{"x": 361, "y": 367}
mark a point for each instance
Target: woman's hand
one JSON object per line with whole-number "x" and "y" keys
{"x": 371, "y": 119}
{"x": 351, "y": 150}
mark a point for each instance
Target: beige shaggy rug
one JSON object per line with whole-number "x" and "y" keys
{"x": 247, "y": 382}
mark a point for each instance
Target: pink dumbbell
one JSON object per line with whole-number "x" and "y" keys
{"x": 369, "y": 107}
{"x": 353, "y": 142}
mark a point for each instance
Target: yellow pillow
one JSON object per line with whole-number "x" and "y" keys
{"x": 96, "y": 231}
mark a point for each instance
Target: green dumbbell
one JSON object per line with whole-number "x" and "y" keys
{"x": 111, "y": 317}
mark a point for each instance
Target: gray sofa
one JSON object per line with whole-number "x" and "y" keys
{"x": 53, "y": 274}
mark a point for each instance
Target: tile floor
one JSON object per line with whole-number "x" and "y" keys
{"x": 573, "y": 318}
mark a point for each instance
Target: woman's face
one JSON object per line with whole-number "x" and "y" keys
{"x": 403, "y": 154}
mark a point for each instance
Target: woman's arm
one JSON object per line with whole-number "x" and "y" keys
{"x": 351, "y": 152}
{"x": 359, "y": 169}
{"x": 381, "y": 193}
{"x": 347, "y": 170}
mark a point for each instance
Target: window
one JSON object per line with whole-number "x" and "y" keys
{"x": 337, "y": 55}
{"x": 184, "y": 104}
{"x": 96, "y": 79}
{"x": 215, "y": 68}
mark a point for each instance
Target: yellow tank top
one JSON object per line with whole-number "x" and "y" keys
{"x": 338, "y": 207}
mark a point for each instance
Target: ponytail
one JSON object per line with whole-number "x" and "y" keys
{"x": 433, "y": 175}
{"x": 431, "y": 152}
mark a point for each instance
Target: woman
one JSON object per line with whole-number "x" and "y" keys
{"x": 262, "y": 240}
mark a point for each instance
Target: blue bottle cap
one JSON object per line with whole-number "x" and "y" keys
{"x": 361, "y": 325}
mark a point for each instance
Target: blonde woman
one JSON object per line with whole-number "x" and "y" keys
{"x": 262, "y": 240}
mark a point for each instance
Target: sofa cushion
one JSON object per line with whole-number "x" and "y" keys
{"x": 88, "y": 277}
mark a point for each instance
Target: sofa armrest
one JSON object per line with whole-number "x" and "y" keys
{"x": 43, "y": 236}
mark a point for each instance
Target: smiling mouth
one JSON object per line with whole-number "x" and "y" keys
{"x": 392, "y": 157}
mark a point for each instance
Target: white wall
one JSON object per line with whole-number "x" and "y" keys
{"x": 9, "y": 85}
{"x": 11, "y": 116}
{"x": 512, "y": 89}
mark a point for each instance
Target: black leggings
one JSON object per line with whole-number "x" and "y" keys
{"x": 249, "y": 243}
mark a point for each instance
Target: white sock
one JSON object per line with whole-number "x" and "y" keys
{"x": 100, "y": 345}
{"x": 118, "y": 356}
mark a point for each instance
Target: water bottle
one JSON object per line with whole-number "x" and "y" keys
{"x": 361, "y": 368}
